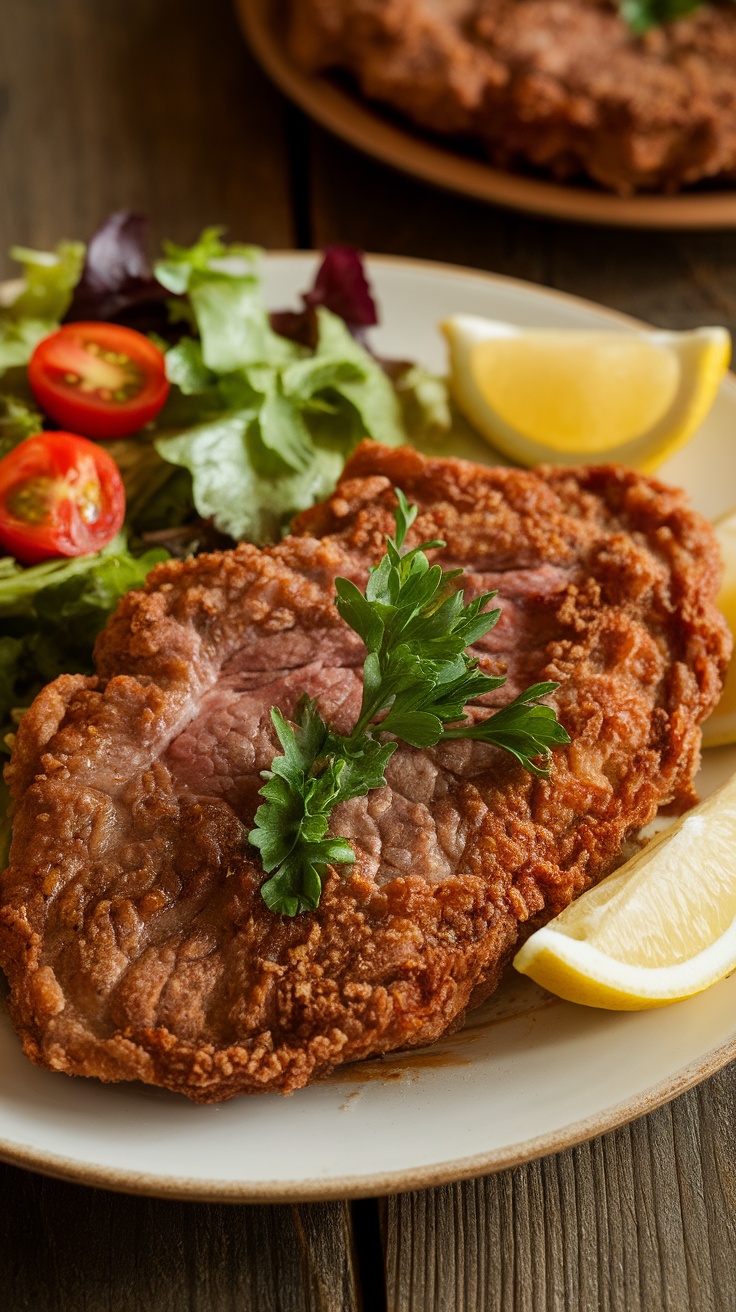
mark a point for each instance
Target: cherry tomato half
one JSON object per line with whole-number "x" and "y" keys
{"x": 99, "y": 379}
{"x": 60, "y": 495}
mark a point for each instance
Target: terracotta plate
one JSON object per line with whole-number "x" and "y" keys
{"x": 528, "y": 1075}
{"x": 363, "y": 125}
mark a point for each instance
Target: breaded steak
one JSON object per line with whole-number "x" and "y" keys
{"x": 563, "y": 85}
{"x": 132, "y": 929}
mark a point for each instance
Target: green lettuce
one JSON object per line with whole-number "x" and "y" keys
{"x": 40, "y": 300}
{"x": 432, "y": 422}
{"x": 262, "y": 424}
{"x": 49, "y": 279}
{"x": 182, "y": 263}
{"x": 50, "y": 615}
{"x": 18, "y": 420}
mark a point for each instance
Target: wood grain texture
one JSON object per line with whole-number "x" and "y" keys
{"x": 641, "y": 1220}
{"x": 150, "y": 104}
{"x": 64, "y": 1248}
{"x": 156, "y": 104}
{"x": 677, "y": 280}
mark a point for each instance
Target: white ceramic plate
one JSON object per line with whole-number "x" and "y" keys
{"x": 528, "y": 1075}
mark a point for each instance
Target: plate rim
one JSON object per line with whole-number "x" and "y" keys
{"x": 402, "y": 1180}
{"x": 408, "y": 151}
{"x": 370, "y": 1186}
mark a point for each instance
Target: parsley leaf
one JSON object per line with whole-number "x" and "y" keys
{"x": 417, "y": 680}
{"x": 315, "y": 772}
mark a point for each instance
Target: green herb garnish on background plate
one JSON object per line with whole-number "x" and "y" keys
{"x": 417, "y": 681}
{"x": 643, "y": 14}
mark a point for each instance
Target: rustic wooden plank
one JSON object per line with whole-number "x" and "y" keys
{"x": 677, "y": 280}
{"x": 159, "y": 106}
{"x": 129, "y": 103}
{"x": 64, "y": 1248}
{"x": 355, "y": 199}
{"x": 640, "y": 1219}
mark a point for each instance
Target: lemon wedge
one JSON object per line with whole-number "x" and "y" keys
{"x": 570, "y": 396}
{"x": 720, "y": 727}
{"x": 659, "y": 929}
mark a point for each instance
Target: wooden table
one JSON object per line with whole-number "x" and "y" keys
{"x": 157, "y": 104}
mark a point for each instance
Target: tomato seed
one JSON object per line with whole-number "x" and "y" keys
{"x": 32, "y": 501}
{"x": 88, "y": 501}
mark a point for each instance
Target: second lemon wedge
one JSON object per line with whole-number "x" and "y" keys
{"x": 570, "y": 396}
{"x": 658, "y": 930}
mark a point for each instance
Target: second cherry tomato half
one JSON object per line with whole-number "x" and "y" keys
{"x": 60, "y": 495}
{"x": 99, "y": 379}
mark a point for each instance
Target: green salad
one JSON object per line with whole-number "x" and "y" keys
{"x": 261, "y": 412}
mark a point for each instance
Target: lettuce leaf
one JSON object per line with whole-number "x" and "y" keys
{"x": 117, "y": 279}
{"x": 341, "y": 286}
{"x": 432, "y": 422}
{"x": 247, "y": 490}
{"x": 49, "y": 279}
{"x": 18, "y": 420}
{"x": 208, "y": 255}
{"x": 39, "y": 301}
{"x": 18, "y": 338}
{"x": 224, "y": 292}
{"x": 268, "y": 423}
{"x": 51, "y": 614}
{"x": 371, "y": 395}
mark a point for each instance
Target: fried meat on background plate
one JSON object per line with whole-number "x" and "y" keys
{"x": 132, "y": 928}
{"x": 563, "y": 85}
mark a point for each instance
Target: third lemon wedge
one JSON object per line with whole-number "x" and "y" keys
{"x": 569, "y": 396}
{"x": 659, "y": 929}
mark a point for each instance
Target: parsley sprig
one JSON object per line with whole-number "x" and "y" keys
{"x": 417, "y": 680}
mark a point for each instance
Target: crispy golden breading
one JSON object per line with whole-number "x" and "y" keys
{"x": 132, "y": 928}
{"x": 563, "y": 85}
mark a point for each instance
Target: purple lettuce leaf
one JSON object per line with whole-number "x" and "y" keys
{"x": 117, "y": 282}
{"x": 118, "y": 285}
{"x": 341, "y": 286}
